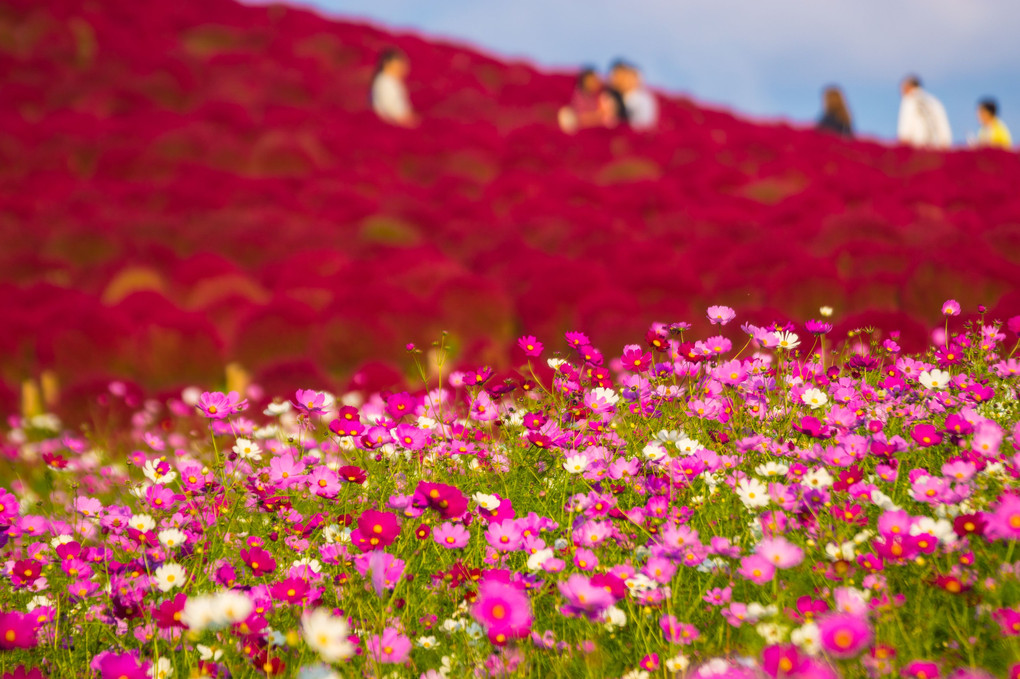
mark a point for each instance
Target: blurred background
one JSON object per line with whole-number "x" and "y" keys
{"x": 186, "y": 185}
{"x": 766, "y": 59}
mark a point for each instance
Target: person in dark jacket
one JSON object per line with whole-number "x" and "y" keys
{"x": 836, "y": 116}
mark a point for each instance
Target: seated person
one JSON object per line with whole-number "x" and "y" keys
{"x": 590, "y": 106}
{"x": 389, "y": 91}
{"x": 994, "y": 132}
{"x": 641, "y": 109}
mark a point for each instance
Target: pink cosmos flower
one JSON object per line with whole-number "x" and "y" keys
{"x": 951, "y": 308}
{"x": 844, "y": 635}
{"x": 720, "y": 315}
{"x": 310, "y": 402}
{"x": 1004, "y": 521}
{"x": 504, "y": 536}
{"x": 676, "y": 632}
{"x": 780, "y": 552}
{"x": 323, "y": 482}
{"x": 502, "y": 606}
{"x": 757, "y": 569}
{"x": 121, "y": 666}
{"x": 530, "y": 346}
{"x": 451, "y": 535}
{"x": 1009, "y": 621}
{"x": 389, "y": 647}
{"x": 584, "y": 598}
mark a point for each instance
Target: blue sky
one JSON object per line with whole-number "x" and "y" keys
{"x": 761, "y": 58}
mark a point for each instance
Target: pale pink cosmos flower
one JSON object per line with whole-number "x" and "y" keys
{"x": 780, "y": 552}
{"x": 720, "y": 315}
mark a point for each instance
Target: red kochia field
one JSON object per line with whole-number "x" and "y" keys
{"x": 190, "y": 183}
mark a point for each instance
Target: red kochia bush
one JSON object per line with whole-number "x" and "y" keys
{"x": 227, "y": 152}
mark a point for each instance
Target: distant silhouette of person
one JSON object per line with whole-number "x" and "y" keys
{"x": 389, "y": 90}
{"x": 993, "y": 132}
{"x": 640, "y": 107}
{"x": 835, "y": 115}
{"x": 590, "y": 105}
{"x": 923, "y": 121}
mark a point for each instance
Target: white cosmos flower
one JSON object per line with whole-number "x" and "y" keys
{"x": 171, "y": 537}
{"x": 825, "y": 311}
{"x": 788, "y": 340}
{"x": 814, "y": 398}
{"x": 142, "y": 523}
{"x": 427, "y": 642}
{"x": 934, "y": 378}
{"x": 486, "y": 501}
{"x": 161, "y": 669}
{"x": 575, "y": 464}
{"x": 654, "y": 451}
{"x": 209, "y": 653}
{"x": 688, "y": 446}
{"x": 247, "y": 449}
{"x": 678, "y": 663}
{"x": 536, "y": 560}
{"x": 170, "y": 575}
{"x": 614, "y": 617}
{"x": 807, "y": 638}
{"x": 153, "y": 475}
{"x": 607, "y": 395}
{"x": 752, "y": 493}
{"x": 327, "y": 635}
{"x": 277, "y": 409}
{"x": 817, "y": 478}
{"x": 772, "y": 469}
{"x": 232, "y": 606}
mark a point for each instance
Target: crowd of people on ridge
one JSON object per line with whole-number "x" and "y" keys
{"x": 622, "y": 99}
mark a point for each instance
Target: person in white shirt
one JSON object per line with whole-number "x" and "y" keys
{"x": 389, "y": 91}
{"x": 923, "y": 120}
{"x": 641, "y": 108}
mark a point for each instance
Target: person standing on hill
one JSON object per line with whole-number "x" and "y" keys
{"x": 389, "y": 90}
{"x": 923, "y": 120}
{"x": 994, "y": 132}
{"x": 641, "y": 108}
{"x": 835, "y": 116}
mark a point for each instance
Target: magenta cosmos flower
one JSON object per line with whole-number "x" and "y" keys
{"x": 258, "y": 560}
{"x": 217, "y": 406}
{"x": 389, "y": 647}
{"x": 844, "y": 635}
{"x": 503, "y": 608}
{"x": 530, "y": 346}
{"x": 926, "y": 435}
{"x": 951, "y": 308}
{"x": 375, "y": 530}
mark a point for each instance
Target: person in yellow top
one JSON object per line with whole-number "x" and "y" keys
{"x": 993, "y": 131}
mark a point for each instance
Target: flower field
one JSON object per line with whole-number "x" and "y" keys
{"x": 190, "y": 183}
{"x": 796, "y": 504}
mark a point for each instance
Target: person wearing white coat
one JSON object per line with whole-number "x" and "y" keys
{"x": 923, "y": 120}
